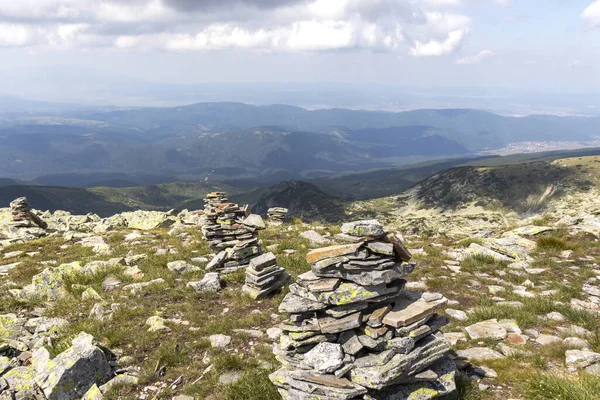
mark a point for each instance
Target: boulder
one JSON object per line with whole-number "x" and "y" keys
{"x": 72, "y": 373}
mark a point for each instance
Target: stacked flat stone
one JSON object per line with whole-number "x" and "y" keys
{"x": 264, "y": 276}
{"x": 277, "y": 215}
{"x": 354, "y": 332}
{"x": 232, "y": 232}
{"x": 22, "y": 216}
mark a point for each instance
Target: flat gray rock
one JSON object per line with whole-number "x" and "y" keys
{"x": 479, "y": 353}
{"x": 181, "y": 266}
{"x": 489, "y": 329}
{"x": 210, "y": 283}
{"x": 314, "y": 237}
{"x": 363, "y": 228}
{"x": 254, "y": 221}
{"x": 263, "y": 261}
{"x": 294, "y": 304}
{"x": 219, "y": 341}
{"x": 325, "y": 357}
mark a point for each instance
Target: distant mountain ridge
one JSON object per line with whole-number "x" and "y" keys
{"x": 232, "y": 141}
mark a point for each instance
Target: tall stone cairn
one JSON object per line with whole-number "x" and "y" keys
{"x": 354, "y": 332}
{"x": 277, "y": 215}
{"x": 22, "y": 216}
{"x": 232, "y": 232}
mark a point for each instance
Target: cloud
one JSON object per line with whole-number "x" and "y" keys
{"x": 417, "y": 27}
{"x": 504, "y": 3}
{"x": 591, "y": 15}
{"x": 475, "y": 58}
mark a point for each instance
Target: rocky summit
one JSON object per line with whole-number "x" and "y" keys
{"x": 143, "y": 305}
{"x": 354, "y": 332}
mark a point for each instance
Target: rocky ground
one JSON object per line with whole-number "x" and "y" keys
{"x": 129, "y": 298}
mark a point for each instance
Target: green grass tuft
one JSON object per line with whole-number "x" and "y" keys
{"x": 554, "y": 387}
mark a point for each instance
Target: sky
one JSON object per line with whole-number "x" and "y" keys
{"x": 539, "y": 45}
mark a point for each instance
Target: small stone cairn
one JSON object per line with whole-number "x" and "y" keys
{"x": 232, "y": 231}
{"x": 264, "y": 276}
{"x": 23, "y": 217}
{"x": 353, "y": 331}
{"x": 277, "y": 215}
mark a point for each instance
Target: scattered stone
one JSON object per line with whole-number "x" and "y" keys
{"x": 110, "y": 283}
{"x": 251, "y": 333}
{"x": 5, "y": 269}
{"x": 156, "y": 324}
{"x": 133, "y": 272}
{"x": 314, "y": 237}
{"x": 455, "y": 337}
{"x": 489, "y": 329}
{"x": 458, "y": 315}
{"x": 485, "y": 372}
{"x": 545, "y": 340}
{"x": 479, "y": 353}
{"x": 555, "y": 316}
{"x": 580, "y": 359}
{"x": 576, "y": 343}
{"x": 210, "y": 283}
{"x": 219, "y": 341}
{"x": 91, "y": 294}
{"x": 136, "y": 288}
{"x": 516, "y": 339}
{"x": 182, "y": 267}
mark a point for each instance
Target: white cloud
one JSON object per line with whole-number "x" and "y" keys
{"x": 504, "y": 3}
{"x": 437, "y": 47}
{"x": 14, "y": 35}
{"x": 475, "y": 58}
{"x": 417, "y": 27}
{"x": 591, "y": 15}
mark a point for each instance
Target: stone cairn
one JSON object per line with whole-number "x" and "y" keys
{"x": 23, "y": 217}
{"x": 353, "y": 331}
{"x": 264, "y": 276}
{"x": 277, "y": 215}
{"x": 232, "y": 232}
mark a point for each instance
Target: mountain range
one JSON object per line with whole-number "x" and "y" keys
{"x": 235, "y": 141}
{"x": 502, "y": 182}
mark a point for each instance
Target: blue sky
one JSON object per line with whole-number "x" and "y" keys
{"x": 537, "y": 45}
